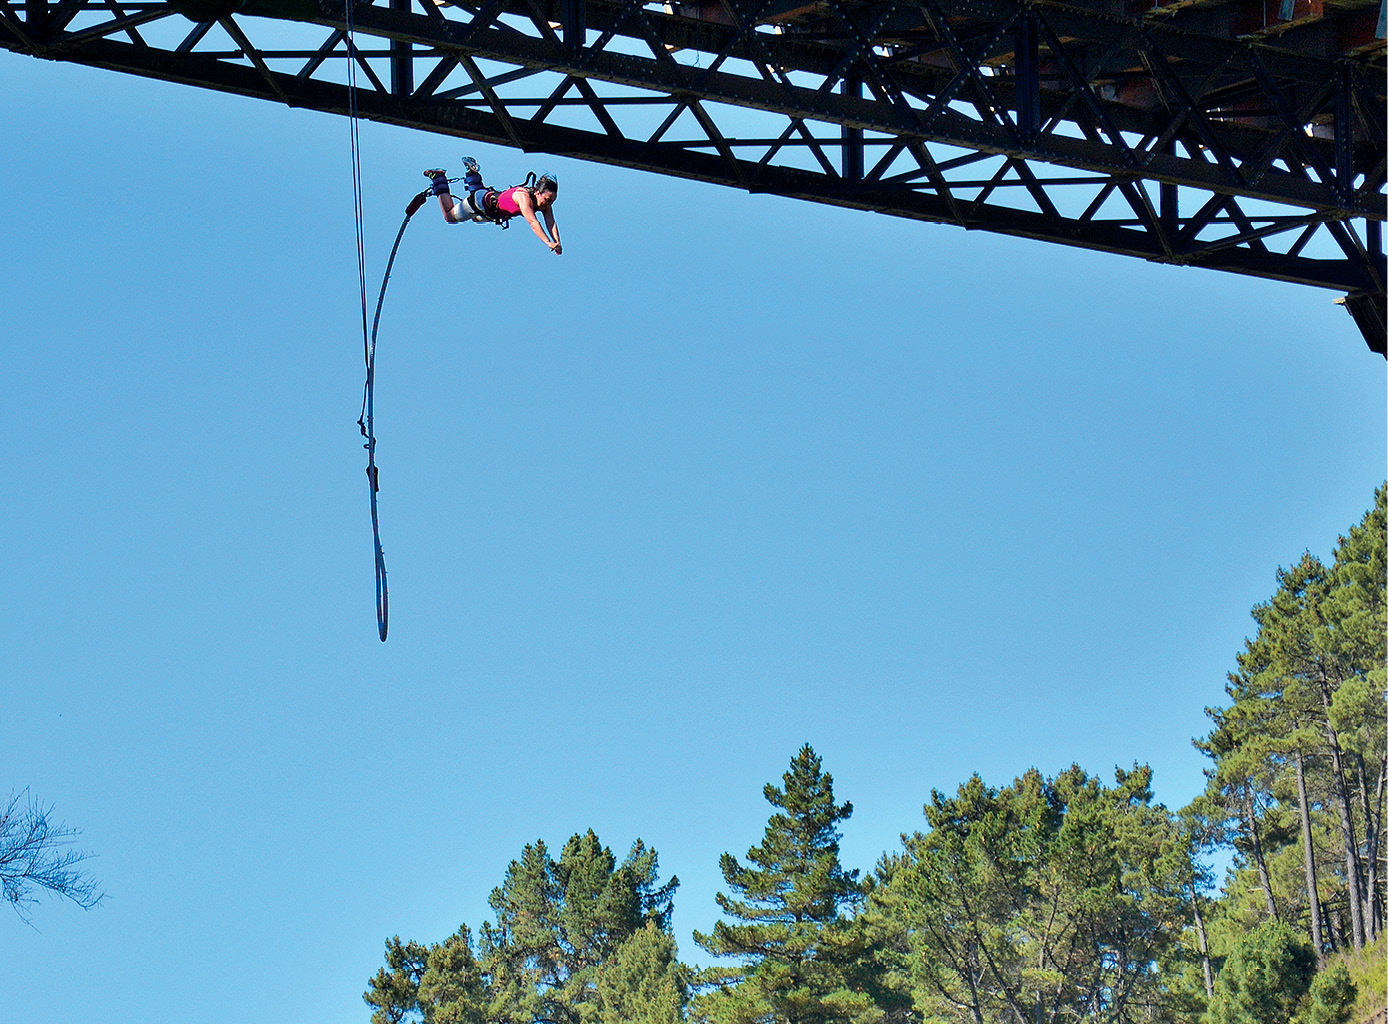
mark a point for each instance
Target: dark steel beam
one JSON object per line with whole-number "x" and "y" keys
{"x": 853, "y": 162}
{"x": 575, "y": 25}
{"x": 1086, "y": 128}
{"x": 401, "y": 58}
{"x": 472, "y": 123}
{"x": 1369, "y": 317}
{"x": 947, "y": 126}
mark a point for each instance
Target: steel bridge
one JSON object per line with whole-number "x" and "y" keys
{"x": 1239, "y": 135}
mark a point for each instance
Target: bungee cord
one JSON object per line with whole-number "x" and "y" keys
{"x": 367, "y": 420}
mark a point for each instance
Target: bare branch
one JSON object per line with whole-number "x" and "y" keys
{"x": 36, "y": 853}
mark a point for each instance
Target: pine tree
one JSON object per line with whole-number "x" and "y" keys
{"x": 452, "y": 989}
{"x": 802, "y": 956}
{"x": 1331, "y": 997}
{"x": 394, "y": 991}
{"x": 558, "y": 921}
{"x": 640, "y": 983}
{"x": 1300, "y": 760}
{"x": 1049, "y": 901}
{"x": 1356, "y": 616}
{"x": 1264, "y": 979}
{"x": 557, "y": 927}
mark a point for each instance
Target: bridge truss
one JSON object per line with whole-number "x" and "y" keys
{"x": 1239, "y": 135}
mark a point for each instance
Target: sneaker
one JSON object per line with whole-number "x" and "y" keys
{"x": 439, "y": 178}
{"x": 470, "y": 165}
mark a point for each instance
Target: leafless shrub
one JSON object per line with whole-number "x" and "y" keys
{"x": 37, "y": 854}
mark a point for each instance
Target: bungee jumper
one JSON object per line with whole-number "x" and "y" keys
{"x": 535, "y": 196}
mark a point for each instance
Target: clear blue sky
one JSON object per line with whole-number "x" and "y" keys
{"x": 733, "y": 474}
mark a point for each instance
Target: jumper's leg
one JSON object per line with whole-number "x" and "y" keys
{"x": 452, "y": 213}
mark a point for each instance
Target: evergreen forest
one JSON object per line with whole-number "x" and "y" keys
{"x": 1047, "y": 899}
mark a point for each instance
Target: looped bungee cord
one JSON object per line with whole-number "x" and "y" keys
{"x": 367, "y": 421}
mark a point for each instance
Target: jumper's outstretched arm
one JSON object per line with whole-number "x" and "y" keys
{"x": 527, "y": 209}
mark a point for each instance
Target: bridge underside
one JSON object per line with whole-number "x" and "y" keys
{"x": 1238, "y": 135}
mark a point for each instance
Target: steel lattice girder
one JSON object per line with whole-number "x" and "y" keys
{"x": 1126, "y": 134}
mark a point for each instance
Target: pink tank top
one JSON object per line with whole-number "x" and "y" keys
{"x": 506, "y": 201}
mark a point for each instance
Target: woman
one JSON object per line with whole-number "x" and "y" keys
{"x": 486, "y": 204}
